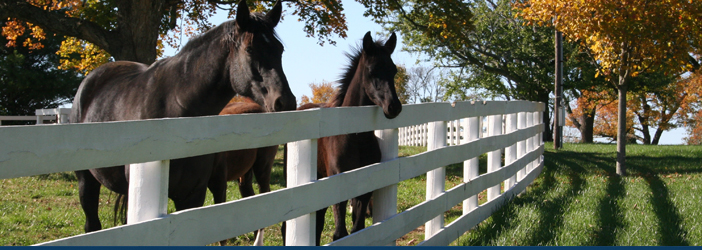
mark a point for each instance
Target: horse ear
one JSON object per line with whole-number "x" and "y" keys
{"x": 391, "y": 43}
{"x": 242, "y": 14}
{"x": 273, "y": 16}
{"x": 368, "y": 42}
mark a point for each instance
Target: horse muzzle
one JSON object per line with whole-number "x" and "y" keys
{"x": 284, "y": 102}
{"x": 393, "y": 110}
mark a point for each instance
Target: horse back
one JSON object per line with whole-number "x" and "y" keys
{"x": 236, "y": 108}
{"x": 312, "y": 105}
{"x": 106, "y": 90}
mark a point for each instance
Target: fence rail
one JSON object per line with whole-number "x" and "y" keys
{"x": 60, "y": 115}
{"x": 83, "y": 146}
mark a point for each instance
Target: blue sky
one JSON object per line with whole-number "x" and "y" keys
{"x": 305, "y": 62}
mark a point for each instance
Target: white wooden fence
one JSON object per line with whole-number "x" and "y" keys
{"x": 417, "y": 135}
{"x": 48, "y": 149}
{"x": 60, "y": 115}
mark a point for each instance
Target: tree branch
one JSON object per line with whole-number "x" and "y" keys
{"x": 56, "y": 22}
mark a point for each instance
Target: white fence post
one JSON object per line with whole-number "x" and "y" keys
{"x": 148, "y": 191}
{"x": 435, "y": 178}
{"x": 511, "y": 151}
{"x": 494, "y": 160}
{"x": 521, "y": 145}
{"x": 302, "y": 168}
{"x": 530, "y": 141}
{"x": 385, "y": 199}
{"x": 537, "y": 139}
{"x": 471, "y": 132}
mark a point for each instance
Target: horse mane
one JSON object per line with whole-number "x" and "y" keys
{"x": 229, "y": 34}
{"x": 354, "y": 58}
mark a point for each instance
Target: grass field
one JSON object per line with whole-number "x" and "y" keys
{"x": 577, "y": 200}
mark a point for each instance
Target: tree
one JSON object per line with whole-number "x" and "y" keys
{"x": 401, "y": 80}
{"x": 424, "y": 86}
{"x": 625, "y": 39}
{"x": 136, "y": 30}
{"x": 606, "y": 113}
{"x": 487, "y": 47}
{"x": 29, "y": 79}
{"x": 690, "y": 114}
{"x": 321, "y": 93}
{"x": 583, "y": 115}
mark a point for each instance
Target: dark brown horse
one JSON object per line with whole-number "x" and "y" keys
{"x": 369, "y": 80}
{"x": 243, "y": 165}
{"x": 241, "y": 56}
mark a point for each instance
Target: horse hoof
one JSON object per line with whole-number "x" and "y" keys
{"x": 339, "y": 235}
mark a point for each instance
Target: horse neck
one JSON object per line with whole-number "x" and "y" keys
{"x": 204, "y": 87}
{"x": 355, "y": 95}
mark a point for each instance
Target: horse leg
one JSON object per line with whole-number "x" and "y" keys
{"x": 246, "y": 190}
{"x": 319, "y": 225}
{"x": 339, "y": 210}
{"x": 218, "y": 187}
{"x": 262, "y": 168}
{"x": 89, "y": 193}
{"x": 360, "y": 206}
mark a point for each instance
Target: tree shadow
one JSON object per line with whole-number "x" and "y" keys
{"x": 550, "y": 212}
{"x": 669, "y": 220}
{"x": 551, "y": 219}
{"x": 609, "y": 212}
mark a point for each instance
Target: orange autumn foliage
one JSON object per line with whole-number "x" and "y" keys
{"x": 321, "y": 93}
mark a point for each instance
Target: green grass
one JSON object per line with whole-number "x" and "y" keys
{"x": 577, "y": 200}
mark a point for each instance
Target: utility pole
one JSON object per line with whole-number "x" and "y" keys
{"x": 557, "y": 127}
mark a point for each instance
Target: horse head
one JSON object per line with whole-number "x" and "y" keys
{"x": 378, "y": 74}
{"x": 254, "y": 63}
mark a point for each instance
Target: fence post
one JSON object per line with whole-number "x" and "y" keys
{"x": 148, "y": 191}
{"x": 521, "y": 145}
{"x": 494, "y": 159}
{"x": 62, "y": 115}
{"x": 435, "y": 178}
{"x": 302, "y": 168}
{"x": 385, "y": 199}
{"x": 471, "y": 132}
{"x": 537, "y": 138}
{"x": 530, "y": 140}
{"x": 510, "y": 151}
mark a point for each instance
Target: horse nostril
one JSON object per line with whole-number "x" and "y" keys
{"x": 278, "y": 106}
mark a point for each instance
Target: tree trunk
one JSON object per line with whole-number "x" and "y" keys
{"x": 644, "y": 129}
{"x": 138, "y": 32}
{"x": 587, "y": 126}
{"x": 621, "y": 128}
{"x": 644, "y": 119}
{"x": 657, "y": 136}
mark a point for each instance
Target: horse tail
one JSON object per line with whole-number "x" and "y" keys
{"x": 120, "y": 210}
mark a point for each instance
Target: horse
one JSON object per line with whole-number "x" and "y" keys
{"x": 242, "y": 165}
{"x": 240, "y": 56}
{"x": 368, "y": 80}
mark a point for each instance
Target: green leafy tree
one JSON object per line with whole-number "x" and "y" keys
{"x": 488, "y": 47}
{"x": 29, "y": 79}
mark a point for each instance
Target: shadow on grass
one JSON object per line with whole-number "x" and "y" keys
{"x": 550, "y": 212}
{"x": 609, "y": 212}
{"x": 669, "y": 220}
